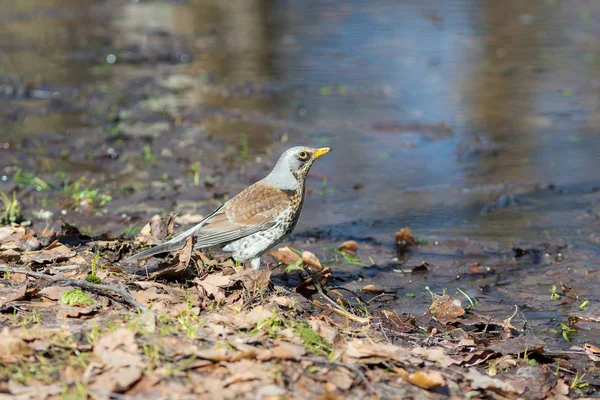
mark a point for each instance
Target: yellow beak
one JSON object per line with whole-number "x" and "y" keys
{"x": 319, "y": 152}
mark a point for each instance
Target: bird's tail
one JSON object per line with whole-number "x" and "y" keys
{"x": 176, "y": 243}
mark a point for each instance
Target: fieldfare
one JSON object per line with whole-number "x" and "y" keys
{"x": 258, "y": 218}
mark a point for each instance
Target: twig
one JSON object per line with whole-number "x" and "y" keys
{"x": 380, "y": 296}
{"x": 103, "y": 289}
{"x": 349, "y": 315}
{"x": 317, "y": 284}
{"x": 349, "y": 367}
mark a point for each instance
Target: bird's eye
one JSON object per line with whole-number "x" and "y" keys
{"x": 303, "y": 155}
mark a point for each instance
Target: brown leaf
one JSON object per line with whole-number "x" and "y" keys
{"x": 445, "y": 309}
{"x": 245, "y": 370}
{"x": 404, "y": 239}
{"x": 10, "y": 255}
{"x": 427, "y": 379}
{"x": 391, "y": 320}
{"x": 323, "y": 329}
{"x": 311, "y": 260}
{"x": 12, "y": 348}
{"x": 349, "y": 246}
{"x": 369, "y": 288}
{"x": 19, "y": 278}
{"x": 16, "y": 294}
{"x": 55, "y": 292}
{"x": 282, "y": 350}
{"x": 340, "y": 377}
{"x": 480, "y": 381}
{"x": 155, "y": 231}
{"x": 519, "y": 345}
{"x": 177, "y": 267}
{"x": 375, "y": 353}
{"x": 592, "y": 351}
{"x": 122, "y": 363}
{"x": 435, "y": 355}
{"x": 214, "y": 284}
{"x": 56, "y": 251}
{"x": 284, "y": 255}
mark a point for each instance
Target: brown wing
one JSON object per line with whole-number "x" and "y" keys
{"x": 252, "y": 210}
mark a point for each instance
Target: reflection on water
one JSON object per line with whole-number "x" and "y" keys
{"x": 422, "y": 102}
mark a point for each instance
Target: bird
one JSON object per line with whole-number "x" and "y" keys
{"x": 256, "y": 219}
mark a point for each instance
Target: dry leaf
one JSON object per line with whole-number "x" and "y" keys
{"x": 341, "y": 378}
{"x": 324, "y": 329}
{"x": 374, "y": 353}
{"x": 592, "y": 351}
{"x": 55, "y": 292}
{"x": 16, "y": 294}
{"x": 369, "y": 288}
{"x": 311, "y": 260}
{"x": 480, "y": 381}
{"x": 179, "y": 266}
{"x": 445, "y": 309}
{"x": 349, "y": 246}
{"x": 427, "y": 379}
{"x": 12, "y": 348}
{"x": 282, "y": 350}
{"x": 213, "y": 284}
{"x": 56, "y": 251}
{"x": 284, "y": 255}
{"x": 519, "y": 345}
{"x": 122, "y": 363}
{"x": 404, "y": 239}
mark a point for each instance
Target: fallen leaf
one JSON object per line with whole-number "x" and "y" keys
{"x": 16, "y": 294}
{"x": 10, "y": 255}
{"x": 427, "y": 379}
{"x": 311, "y": 260}
{"x": 214, "y": 284}
{"x": 369, "y": 288}
{"x": 480, "y": 381}
{"x": 519, "y": 345}
{"x": 592, "y": 351}
{"x": 349, "y": 246}
{"x": 392, "y": 321}
{"x": 55, "y": 292}
{"x": 341, "y": 378}
{"x": 282, "y": 350}
{"x": 324, "y": 329}
{"x": 122, "y": 363}
{"x": 177, "y": 267}
{"x": 445, "y": 309}
{"x": 284, "y": 255}
{"x": 12, "y": 348}
{"x": 375, "y": 353}
{"x": 404, "y": 239}
{"x": 56, "y": 251}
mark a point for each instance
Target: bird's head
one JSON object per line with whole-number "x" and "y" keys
{"x": 293, "y": 166}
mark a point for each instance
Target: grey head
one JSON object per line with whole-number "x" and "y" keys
{"x": 292, "y": 167}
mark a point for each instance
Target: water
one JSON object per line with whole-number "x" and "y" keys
{"x": 461, "y": 119}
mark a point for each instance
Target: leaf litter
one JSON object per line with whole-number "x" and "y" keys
{"x": 209, "y": 328}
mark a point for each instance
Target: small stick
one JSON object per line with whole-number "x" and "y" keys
{"x": 349, "y": 367}
{"x": 103, "y": 289}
